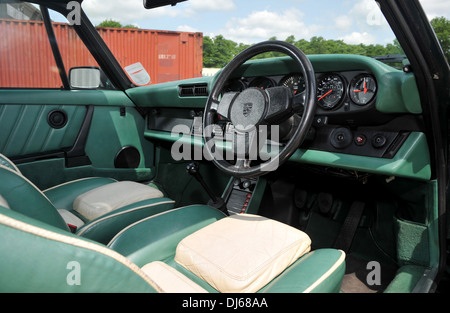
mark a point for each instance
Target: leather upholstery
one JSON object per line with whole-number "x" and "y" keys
{"x": 242, "y": 253}
{"x": 24, "y": 197}
{"x": 62, "y": 196}
{"x": 169, "y": 280}
{"x": 55, "y": 205}
{"x": 44, "y": 258}
{"x": 7, "y": 162}
{"x": 110, "y": 197}
{"x": 156, "y": 238}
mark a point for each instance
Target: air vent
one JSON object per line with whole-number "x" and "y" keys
{"x": 199, "y": 90}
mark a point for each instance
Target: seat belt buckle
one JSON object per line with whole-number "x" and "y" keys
{"x": 73, "y": 228}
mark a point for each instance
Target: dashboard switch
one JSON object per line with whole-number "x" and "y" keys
{"x": 341, "y": 138}
{"x": 379, "y": 141}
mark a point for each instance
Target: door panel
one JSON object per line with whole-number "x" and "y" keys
{"x": 24, "y": 129}
{"x": 42, "y": 151}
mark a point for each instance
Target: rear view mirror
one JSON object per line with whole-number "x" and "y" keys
{"x": 85, "y": 77}
{"x": 150, "y": 4}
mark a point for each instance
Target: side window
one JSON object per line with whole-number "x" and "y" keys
{"x": 82, "y": 69}
{"x": 26, "y": 58}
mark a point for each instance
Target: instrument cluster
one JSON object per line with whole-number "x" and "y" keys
{"x": 336, "y": 91}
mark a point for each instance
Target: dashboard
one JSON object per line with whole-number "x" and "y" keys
{"x": 346, "y": 118}
{"x": 368, "y": 115}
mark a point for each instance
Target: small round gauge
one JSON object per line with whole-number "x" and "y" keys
{"x": 262, "y": 82}
{"x": 330, "y": 91}
{"x": 363, "y": 89}
{"x": 295, "y": 82}
{"x": 236, "y": 85}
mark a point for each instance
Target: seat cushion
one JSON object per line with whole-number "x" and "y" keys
{"x": 241, "y": 253}
{"x": 62, "y": 196}
{"x": 169, "y": 280}
{"x": 70, "y": 218}
{"x": 110, "y": 197}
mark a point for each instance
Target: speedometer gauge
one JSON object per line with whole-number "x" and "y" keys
{"x": 262, "y": 83}
{"x": 330, "y": 91}
{"x": 363, "y": 89}
{"x": 295, "y": 82}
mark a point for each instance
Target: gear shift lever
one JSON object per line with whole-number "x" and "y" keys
{"x": 215, "y": 202}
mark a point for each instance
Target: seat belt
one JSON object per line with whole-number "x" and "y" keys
{"x": 349, "y": 227}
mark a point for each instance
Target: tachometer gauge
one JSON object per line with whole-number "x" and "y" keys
{"x": 295, "y": 82}
{"x": 236, "y": 85}
{"x": 363, "y": 89}
{"x": 330, "y": 91}
{"x": 262, "y": 82}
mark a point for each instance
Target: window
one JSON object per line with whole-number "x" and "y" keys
{"x": 26, "y": 58}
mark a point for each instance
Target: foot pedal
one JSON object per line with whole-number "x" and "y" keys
{"x": 325, "y": 202}
{"x": 348, "y": 230}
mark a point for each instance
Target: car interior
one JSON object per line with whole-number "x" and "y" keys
{"x": 99, "y": 179}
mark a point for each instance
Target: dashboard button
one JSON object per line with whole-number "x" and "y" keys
{"x": 379, "y": 141}
{"x": 341, "y": 138}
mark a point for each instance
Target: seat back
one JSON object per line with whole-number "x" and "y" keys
{"x": 37, "y": 257}
{"x": 23, "y": 196}
{"x": 8, "y": 163}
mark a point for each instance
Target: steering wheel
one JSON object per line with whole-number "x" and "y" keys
{"x": 255, "y": 111}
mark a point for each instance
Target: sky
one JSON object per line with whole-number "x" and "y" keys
{"x": 251, "y": 21}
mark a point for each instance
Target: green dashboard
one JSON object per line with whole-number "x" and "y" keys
{"x": 373, "y": 106}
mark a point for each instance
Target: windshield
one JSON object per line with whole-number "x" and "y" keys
{"x": 197, "y": 37}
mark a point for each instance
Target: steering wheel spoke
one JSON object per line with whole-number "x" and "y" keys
{"x": 223, "y": 107}
{"x": 242, "y": 164}
{"x": 279, "y": 106}
{"x": 298, "y": 103}
{"x": 251, "y": 109}
{"x": 245, "y": 144}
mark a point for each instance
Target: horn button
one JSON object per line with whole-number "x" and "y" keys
{"x": 248, "y": 109}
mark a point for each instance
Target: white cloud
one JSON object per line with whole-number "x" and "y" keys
{"x": 124, "y": 12}
{"x": 343, "y": 22}
{"x": 356, "y": 38}
{"x": 187, "y": 28}
{"x": 262, "y": 25}
{"x": 195, "y": 6}
{"x": 368, "y": 15}
{"x": 435, "y": 8}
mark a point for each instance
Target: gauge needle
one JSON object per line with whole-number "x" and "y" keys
{"x": 325, "y": 95}
{"x": 365, "y": 86}
{"x": 357, "y": 90}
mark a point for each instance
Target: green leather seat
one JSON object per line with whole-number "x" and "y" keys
{"x": 65, "y": 206}
{"x": 38, "y": 257}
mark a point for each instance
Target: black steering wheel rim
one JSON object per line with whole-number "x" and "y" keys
{"x": 306, "y": 119}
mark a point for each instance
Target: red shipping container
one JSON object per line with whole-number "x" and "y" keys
{"x": 26, "y": 58}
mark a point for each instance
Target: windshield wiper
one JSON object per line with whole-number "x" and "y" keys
{"x": 391, "y": 58}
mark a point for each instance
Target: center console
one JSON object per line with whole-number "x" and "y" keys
{"x": 240, "y": 194}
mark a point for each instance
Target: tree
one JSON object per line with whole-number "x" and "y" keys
{"x": 110, "y": 23}
{"x": 115, "y": 24}
{"x": 218, "y": 51}
{"x": 442, "y": 29}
